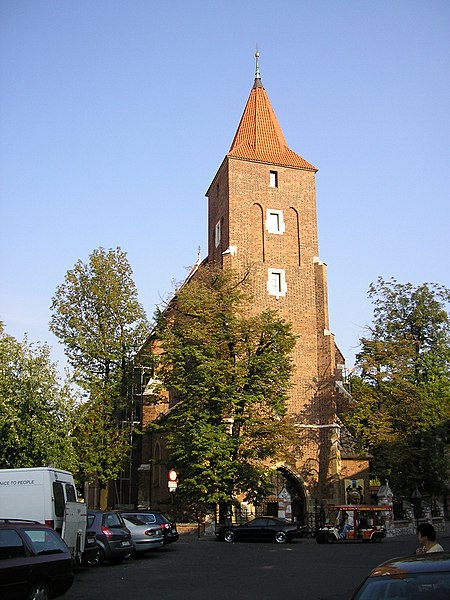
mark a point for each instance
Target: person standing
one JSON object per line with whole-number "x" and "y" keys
{"x": 228, "y": 515}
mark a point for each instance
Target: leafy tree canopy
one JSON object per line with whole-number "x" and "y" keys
{"x": 228, "y": 372}
{"x": 100, "y": 443}
{"x": 97, "y": 316}
{"x": 36, "y": 409}
{"x": 402, "y": 414}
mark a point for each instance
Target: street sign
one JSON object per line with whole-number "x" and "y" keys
{"x": 172, "y": 482}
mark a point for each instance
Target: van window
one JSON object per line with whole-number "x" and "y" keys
{"x": 70, "y": 493}
{"x": 58, "y": 498}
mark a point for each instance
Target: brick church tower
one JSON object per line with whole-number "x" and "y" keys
{"x": 262, "y": 219}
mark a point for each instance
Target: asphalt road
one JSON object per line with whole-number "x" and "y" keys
{"x": 207, "y": 569}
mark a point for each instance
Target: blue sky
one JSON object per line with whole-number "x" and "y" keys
{"x": 115, "y": 116}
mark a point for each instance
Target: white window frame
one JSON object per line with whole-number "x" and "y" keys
{"x": 276, "y": 282}
{"x": 275, "y": 221}
{"x": 218, "y": 234}
{"x": 273, "y": 179}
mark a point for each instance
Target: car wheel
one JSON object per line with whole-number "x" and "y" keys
{"x": 320, "y": 539}
{"x": 376, "y": 538}
{"x": 280, "y": 537}
{"x": 229, "y": 536}
{"x": 330, "y": 539}
{"x": 39, "y": 592}
{"x": 98, "y": 559}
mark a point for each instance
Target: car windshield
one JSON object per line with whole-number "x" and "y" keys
{"x": 146, "y": 518}
{"x": 134, "y": 520}
{"x": 163, "y": 518}
{"x": 421, "y": 586}
{"x": 45, "y": 541}
{"x": 112, "y": 520}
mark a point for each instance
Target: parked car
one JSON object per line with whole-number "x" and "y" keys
{"x": 416, "y": 577}
{"x": 35, "y": 563}
{"x": 262, "y": 529}
{"x": 144, "y": 537}
{"x": 113, "y": 538}
{"x": 46, "y": 495}
{"x": 151, "y": 517}
{"x": 90, "y": 547}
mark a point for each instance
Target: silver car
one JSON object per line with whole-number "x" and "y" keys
{"x": 144, "y": 537}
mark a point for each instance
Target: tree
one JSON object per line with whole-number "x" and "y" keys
{"x": 36, "y": 409}
{"x": 228, "y": 374}
{"x": 402, "y": 414}
{"x": 101, "y": 443}
{"x": 97, "y": 316}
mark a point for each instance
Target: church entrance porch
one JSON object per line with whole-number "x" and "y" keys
{"x": 287, "y": 500}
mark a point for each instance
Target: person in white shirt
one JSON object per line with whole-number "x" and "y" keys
{"x": 427, "y": 539}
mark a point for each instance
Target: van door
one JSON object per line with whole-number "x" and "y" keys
{"x": 70, "y": 521}
{"x": 74, "y": 528}
{"x": 59, "y": 501}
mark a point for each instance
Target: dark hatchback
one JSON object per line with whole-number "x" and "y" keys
{"x": 113, "y": 538}
{"x": 35, "y": 563}
{"x": 262, "y": 529}
{"x": 90, "y": 547}
{"x": 416, "y": 577}
{"x": 154, "y": 517}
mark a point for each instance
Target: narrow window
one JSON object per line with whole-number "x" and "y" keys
{"x": 273, "y": 179}
{"x": 71, "y": 495}
{"x": 217, "y": 234}
{"x": 58, "y": 499}
{"x": 275, "y": 221}
{"x": 276, "y": 282}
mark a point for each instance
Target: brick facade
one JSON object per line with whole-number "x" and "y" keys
{"x": 262, "y": 219}
{"x": 261, "y": 175}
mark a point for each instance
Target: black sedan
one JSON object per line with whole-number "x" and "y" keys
{"x": 262, "y": 529}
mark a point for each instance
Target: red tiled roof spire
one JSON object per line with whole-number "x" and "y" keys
{"x": 259, "y": 136}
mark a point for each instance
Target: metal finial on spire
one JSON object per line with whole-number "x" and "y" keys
{"x": 257, "y": 73}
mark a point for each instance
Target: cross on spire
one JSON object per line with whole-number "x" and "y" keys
{"x": 257, "y": 73}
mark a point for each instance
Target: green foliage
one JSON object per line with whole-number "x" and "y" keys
{"x": 228, "y": 373}
{"x": 402, "y": 414}
{"x": 97, "y": 316}
{"x": 36, "y": 410}
{"x": 101, "y": 442}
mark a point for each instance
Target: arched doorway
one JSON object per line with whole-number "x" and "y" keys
{"x": 287, "y": 498}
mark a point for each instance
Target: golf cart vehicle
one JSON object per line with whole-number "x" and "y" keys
{"x": 366, "y": 524}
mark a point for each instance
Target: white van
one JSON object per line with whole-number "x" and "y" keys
{"x": 46, "y": 495}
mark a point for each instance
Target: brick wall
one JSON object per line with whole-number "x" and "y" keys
{"x": 239, "y": 197}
